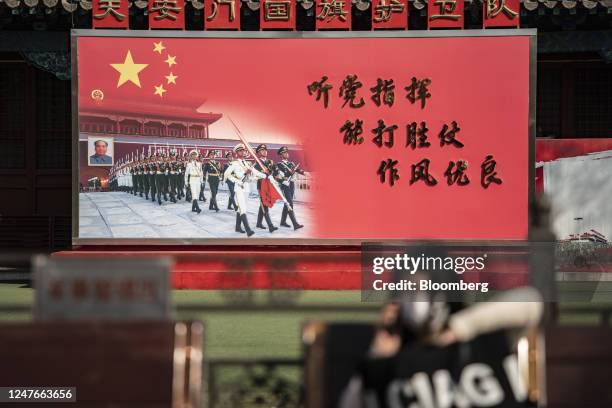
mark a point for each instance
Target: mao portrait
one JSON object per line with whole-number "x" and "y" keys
{"x": 100, "y": 151}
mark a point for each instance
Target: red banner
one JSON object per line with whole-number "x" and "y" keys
{"x": 368, "y": 138}
{"x": 389, "y": 14}
{"x": 333, "y": 14}
{"x": 110, "y": 14}
{"x": 445, "y": 14}
{"x": 277, "y": 14}
{"x": 222, "y": 14}
{"x": 501, "y": 13}
{"x": 168, "y": 14}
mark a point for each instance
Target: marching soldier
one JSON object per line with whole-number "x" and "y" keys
{"x": 262, "y": 153}
{"x": 239, "y": 172}
{"x": 285, "y": 172}
{"x": 202, "y": 197}
{"x": 171, "y": 177}
{"x": 160, "y": 180}
{"x": 139, "y": 177}
{"x": 134, "y": 182}
{"x": 152, "y": 172}
{"x": 180, "y": 178}
{"x": 144, "y": 171}
{"x": 231, "y": 204}
{"x": 212, "y": 172}
{"x": 193, "y": 179}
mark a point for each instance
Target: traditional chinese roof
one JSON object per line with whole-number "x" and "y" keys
{"x": 151, "y": 111}
{"x": 73, "y": 5}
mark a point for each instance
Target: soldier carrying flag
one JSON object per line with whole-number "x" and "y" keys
{"x": 240, "y": 172}
{"x": 264, "y": 163}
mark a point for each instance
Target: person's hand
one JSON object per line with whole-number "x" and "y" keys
{"x": 286, "y": 183}
{"x": 247, "y": 171}
{"x": 385, "y": 344}
{"x": 445, "y": 338}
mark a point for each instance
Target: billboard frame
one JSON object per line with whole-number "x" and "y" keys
{"x": 75, "y": 34}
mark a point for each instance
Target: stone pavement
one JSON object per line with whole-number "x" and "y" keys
{"x": 123, "y": 215}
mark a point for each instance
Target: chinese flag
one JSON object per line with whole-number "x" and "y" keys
{"x": 501, "y": 13}
{"x": 168, "y": 14}
{"x": 268, "y": 193}
{"x": 110, "y": 14}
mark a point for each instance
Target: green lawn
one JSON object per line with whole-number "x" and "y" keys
{"x": 237, "y": 334}
{"x": 276, "y": 332}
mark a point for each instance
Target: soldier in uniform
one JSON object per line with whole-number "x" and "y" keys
{"x": 139, "y": 180}
{"x": 239, "y": 172}
{"x": 285, "y": 171}
{"x": 262, "y": 153}
{"x": 160, "y": 179}
{"x": 152, "y": 170}
{"x": 231, "y": 204}
{"x": 202, "y": 197}
{"x": 144, "y": 171}
{"x": 193, "y": 179}
{"x": 171, "y": 176}
{"x": 212, "y": 173}
{"x": 133, "y": 176}
{"x": 180, "y": 178}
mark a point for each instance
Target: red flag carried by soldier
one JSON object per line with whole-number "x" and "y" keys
{"x": 268, "y": 193}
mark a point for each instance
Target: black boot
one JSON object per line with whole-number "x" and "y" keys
{"x": 159, "y": 199}
{"x": 165, "y": 197}
{"x": 260, "y": 214}
{"x": 193, "y": 206}
{"x": 284, "y": 218}
{"x": 196, "y": 206}
{"x": 271, "y": 227}
{"x": 245, "y": 222}
{"x": 146, "y": 196}
{"x": 238, "y": 222}
{"x": 294, "y": 221}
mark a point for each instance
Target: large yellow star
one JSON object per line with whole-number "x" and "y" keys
{"x": 129, "y": 71}
{"x": 170, "y": 61}
{"x": 159, "y": 90}
{"x": 171, "y": 78}
{"x": 158, "y": 47}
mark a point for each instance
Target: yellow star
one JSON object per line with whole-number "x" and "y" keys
{"x": 129, "y": 71}
{"x": 171, "y": 78}
{"x": 159, "y": 90}
{"x": 171, "y": 60}
{"x": 159, "y": 47}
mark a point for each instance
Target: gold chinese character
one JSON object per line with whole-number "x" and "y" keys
{"x": 215, "y": 6}
{"x": 110, "y": 7}
{"x": 164, "y": 7}
{"x": 277, "y": 10}
{"x": 332, "y": 9}
{"x": 447, "y": 7}
{"x": 494, "y": 8}
{"x": 384, "y": 11}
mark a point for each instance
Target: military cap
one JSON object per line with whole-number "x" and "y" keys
{"x": 261, "y": 147}
{"x": 283, "y": 149}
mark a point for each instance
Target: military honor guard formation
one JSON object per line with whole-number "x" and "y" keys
{"x": 170, "y": 176}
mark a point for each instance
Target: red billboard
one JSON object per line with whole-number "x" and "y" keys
{"x": 366, "y": 136}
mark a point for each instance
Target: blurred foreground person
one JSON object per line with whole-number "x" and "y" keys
{"x": 429, "y": 353}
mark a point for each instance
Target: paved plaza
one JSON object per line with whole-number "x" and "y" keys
{"x": 123, "y": 215}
